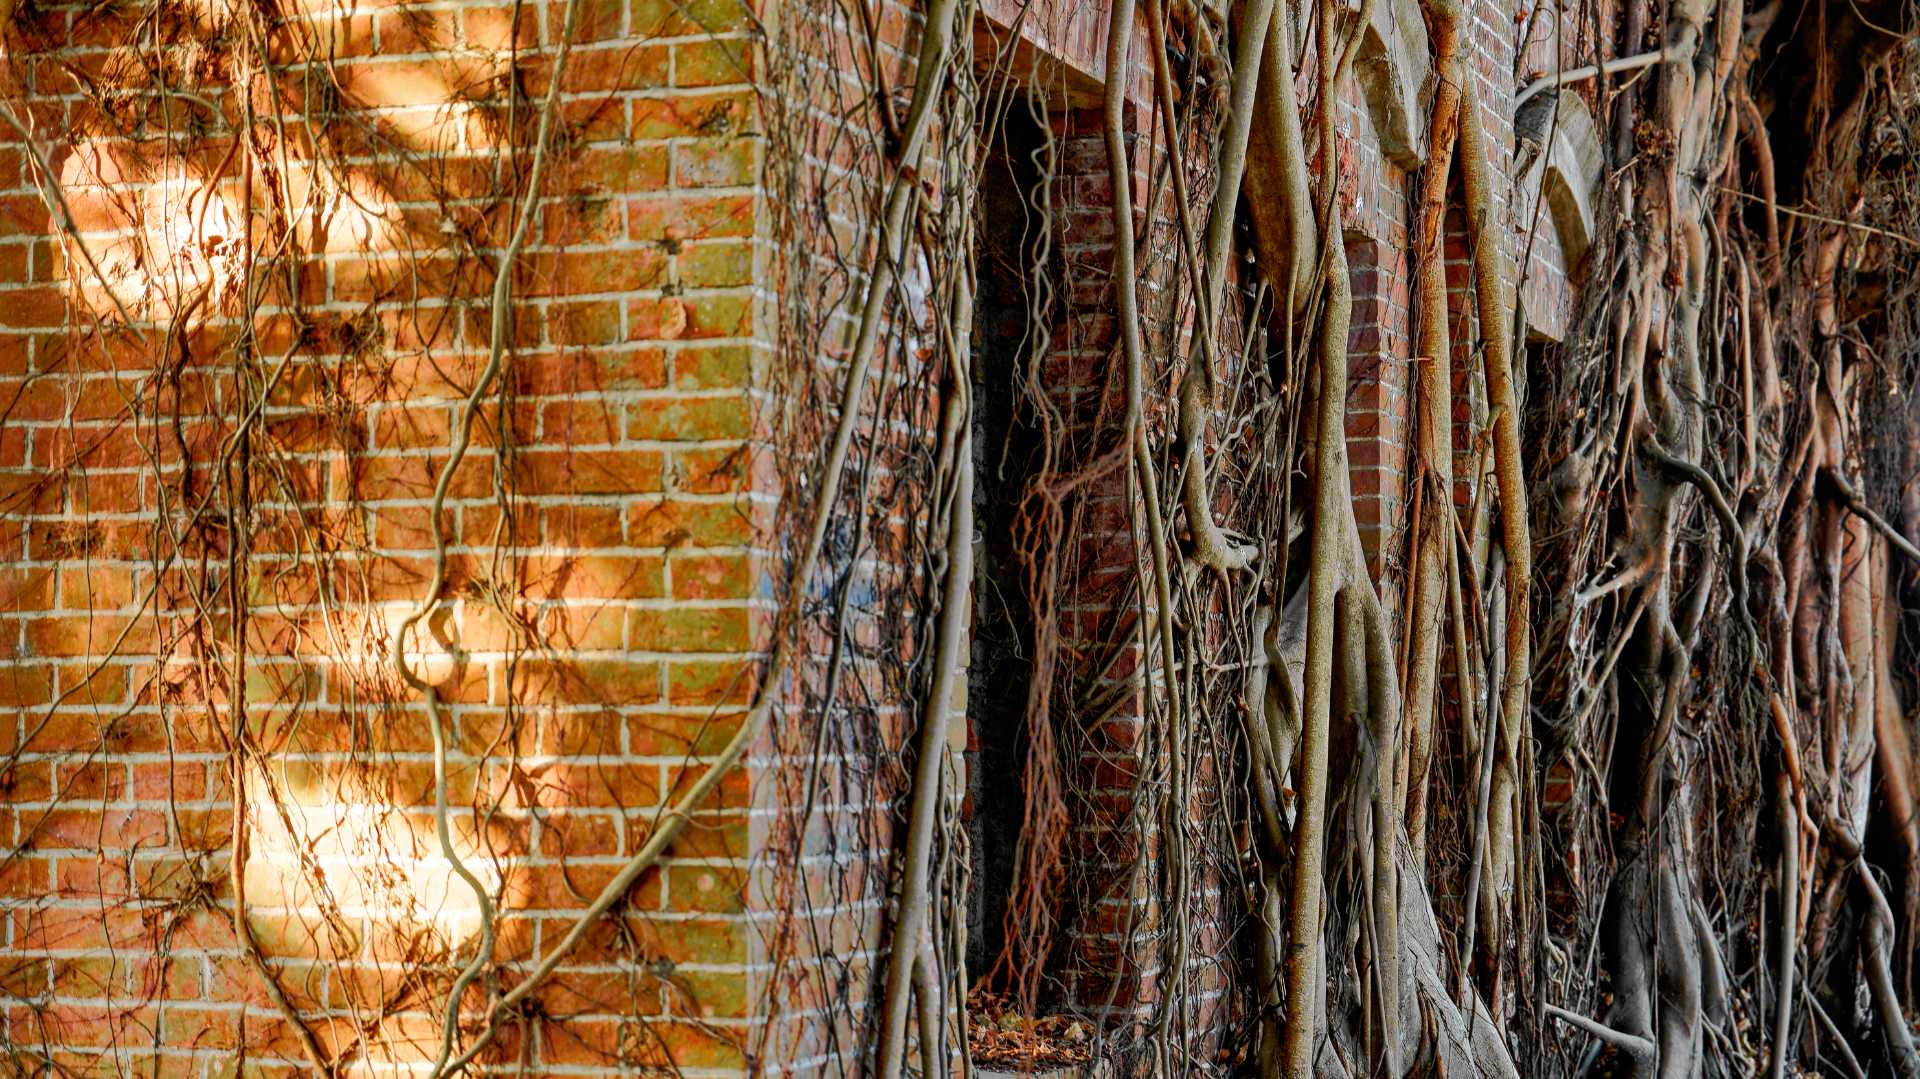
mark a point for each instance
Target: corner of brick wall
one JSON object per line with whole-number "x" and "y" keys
{"x": 638, "y": 549}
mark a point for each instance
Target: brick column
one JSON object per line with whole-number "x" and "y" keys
{"x": 1110, "y": 966}
{"x": 1099, "y": 694}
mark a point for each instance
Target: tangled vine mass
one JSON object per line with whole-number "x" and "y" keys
{"x": 644, "y": 538}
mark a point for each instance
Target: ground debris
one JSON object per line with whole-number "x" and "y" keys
{"x": 998, "y": 1035}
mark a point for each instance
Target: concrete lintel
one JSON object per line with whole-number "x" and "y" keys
{"x": 1059, "y": 48}
{"x": 1392, "y": 69}
{"x": 1567, "y": 169}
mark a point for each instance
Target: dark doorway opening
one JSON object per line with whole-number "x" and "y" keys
{"x": 1012, "y": 317}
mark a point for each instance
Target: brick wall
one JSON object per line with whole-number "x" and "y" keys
{"x": 831, "y": 780}
{"x": 607, "y": 552}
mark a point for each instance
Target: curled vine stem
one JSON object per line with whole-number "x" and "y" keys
{"x": 500, "y": 324}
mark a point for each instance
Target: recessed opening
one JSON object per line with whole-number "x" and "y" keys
{"x": 1012, "y": 314}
